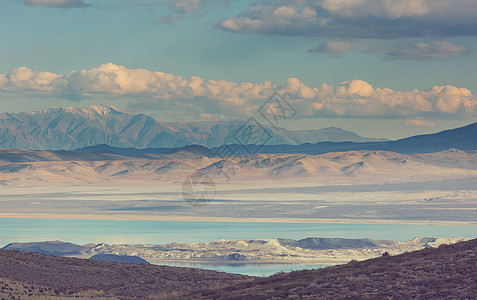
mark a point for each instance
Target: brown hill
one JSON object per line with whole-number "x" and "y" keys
{"x": 447, "y": 272}
{"x": 26, "y": 275}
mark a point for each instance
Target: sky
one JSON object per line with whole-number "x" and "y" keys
{"x": 381, "y": 68}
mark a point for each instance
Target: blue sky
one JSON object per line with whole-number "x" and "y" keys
{"x": 380, "y": 68}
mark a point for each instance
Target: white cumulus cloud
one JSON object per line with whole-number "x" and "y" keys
{"x": 382, "y": 19}
{"x": 182, "y": 8}
{"x": 195, "y": 95}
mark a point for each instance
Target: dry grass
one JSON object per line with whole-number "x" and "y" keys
{"x": 25, "y": 273}
{"x": 448, "y": 272}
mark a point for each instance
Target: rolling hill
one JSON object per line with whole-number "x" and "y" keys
{"x": 54, "y": 167}
{"x": 446, "y": 272}
{"x": 28, "y": 275}
{"x": 277, "y": 250}
{"x": 463, "y": 138}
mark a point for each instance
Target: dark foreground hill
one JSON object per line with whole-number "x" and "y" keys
{"x": 447, "y": 272}
{"x": 26, "y": 275}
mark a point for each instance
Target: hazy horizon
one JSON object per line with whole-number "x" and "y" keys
{"x": 331, "y": 132}
{"x": 367, "y": 128}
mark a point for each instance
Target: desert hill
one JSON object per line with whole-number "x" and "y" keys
{"x": 26, "y": 275}
{"x": 49, "y": 247}
{"x": 463, "y": 138}
{"x": 448, "y": 272}
{"x": 314, "y": 250}
{"x": 58, "y": 167}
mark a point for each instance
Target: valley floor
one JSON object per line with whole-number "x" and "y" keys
{"x": 433, "y": 202}
{"x": 351, "y": 187}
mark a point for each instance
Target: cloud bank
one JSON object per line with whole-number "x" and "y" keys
{"x": 187, "y": 6}
{"x": 55, "y": 3}
{"x": 380, "y": 19}
{"x": 182, "y": 8}
{"x": 195, "y": 95}
{"x": 332, "y": 47}
{"x": 434, "y": 50}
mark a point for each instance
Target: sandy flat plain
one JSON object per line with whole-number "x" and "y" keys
{"x": 348, "y": 187}
{"x": 433, "y": 203}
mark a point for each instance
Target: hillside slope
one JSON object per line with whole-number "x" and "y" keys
{"x": 54, "y": 167}
{"x": 463, "y": 138}
{"x": 448, "y": 272}
{"x": 312, "y": 250}
{"x": 61, "y": 276}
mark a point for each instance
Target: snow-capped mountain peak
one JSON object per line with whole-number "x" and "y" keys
{"x": 70, "y": 128}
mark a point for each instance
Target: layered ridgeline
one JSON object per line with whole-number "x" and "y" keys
{"x": 315, "y": 250}
{"x": 76, "y": 127}
{"x": 149, "y": 166}
{"x": 462, "y": 138}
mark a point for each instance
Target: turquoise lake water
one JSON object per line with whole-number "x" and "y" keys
{"x": 250, "y": 269}
{"x": 160, "y": 232}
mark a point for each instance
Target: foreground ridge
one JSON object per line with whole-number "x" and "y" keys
{"x": 447, "y": 272}
{"x": 25, "y": 275}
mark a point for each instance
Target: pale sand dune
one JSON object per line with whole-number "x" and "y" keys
{"x": 351, "y": 167}
{"x": 348, "y": 187}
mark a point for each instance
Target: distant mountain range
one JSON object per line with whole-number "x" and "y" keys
{"x": 463, "y": 138}
{"x": 100, "y": 128}
{"x": 70, "y": 128}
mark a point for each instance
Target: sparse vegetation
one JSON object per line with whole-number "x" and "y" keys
{"x": 53, "y": 277}
{"x": 446, "y": 272}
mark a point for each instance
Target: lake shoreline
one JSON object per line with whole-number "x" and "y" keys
{"x": 227, "y": 219}
{"x": 247, "y": 262}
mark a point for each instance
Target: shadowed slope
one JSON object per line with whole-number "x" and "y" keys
{"x": 463, "y": 138}
{"x": 69, "y": 128}
{"x": 448, "y": 272}
{"x": 123, "y": 280}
